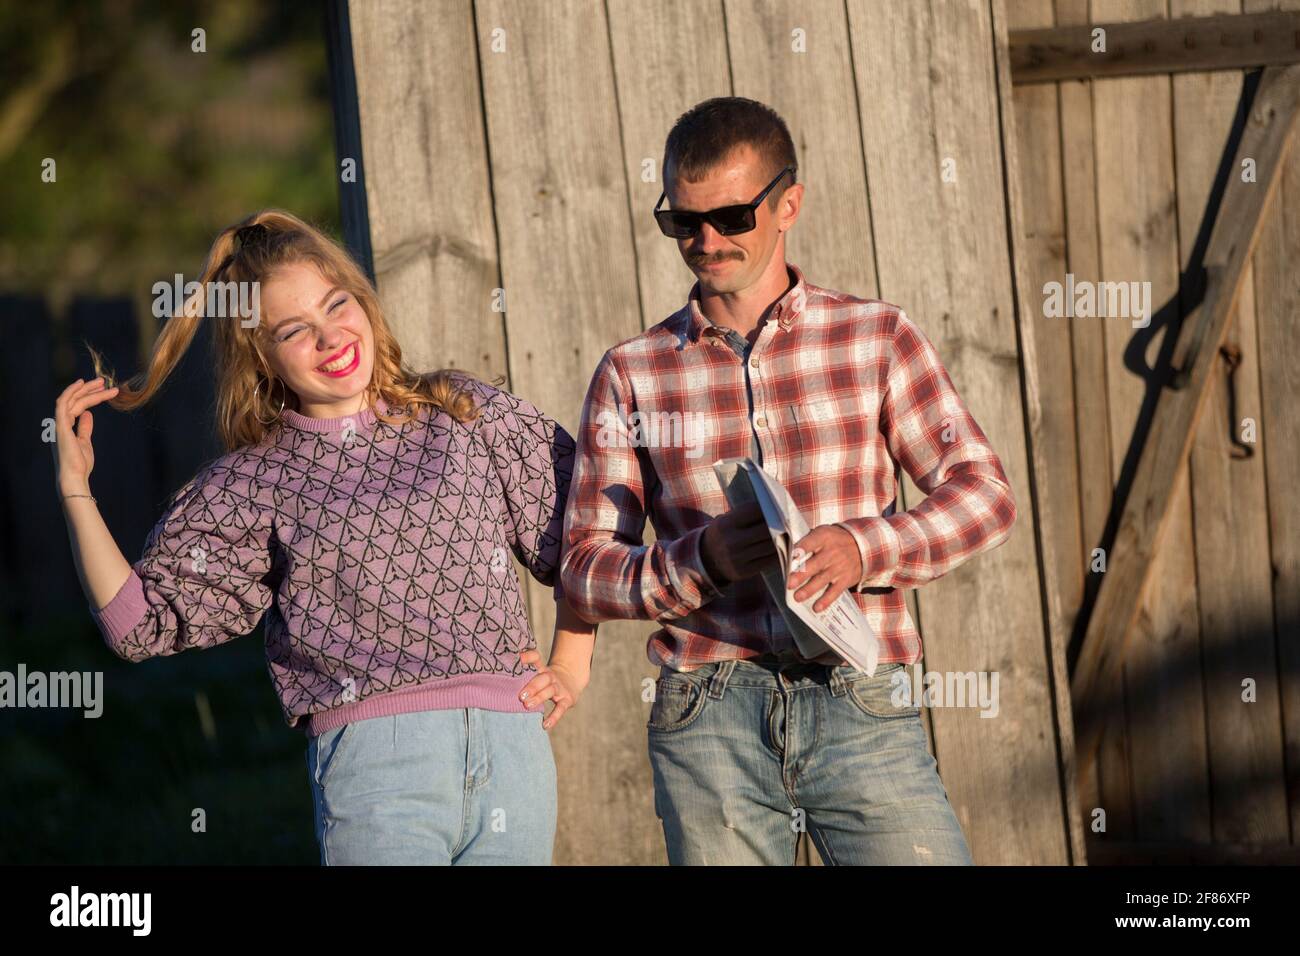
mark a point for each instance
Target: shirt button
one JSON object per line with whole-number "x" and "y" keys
{"x": 760, "y": 421}
{"x": 753, "y": 363}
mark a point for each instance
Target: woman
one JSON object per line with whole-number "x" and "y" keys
{"x": 368, "y": 512}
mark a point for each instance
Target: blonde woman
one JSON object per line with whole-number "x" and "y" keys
{"x": 367, "y": 513}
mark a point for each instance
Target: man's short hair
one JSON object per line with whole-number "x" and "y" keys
{"x": 706, "y": 134}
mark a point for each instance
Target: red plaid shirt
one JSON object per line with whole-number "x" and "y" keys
{"x": 843, "y": 389}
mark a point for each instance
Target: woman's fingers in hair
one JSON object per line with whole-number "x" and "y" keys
{"x": 62, "y": 420}
{"x": 88, "y": 396}
{"x": 73, "y": 403}
{"x": 64, "y": 415}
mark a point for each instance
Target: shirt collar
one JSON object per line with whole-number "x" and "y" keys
{"x": 788, "y": 308}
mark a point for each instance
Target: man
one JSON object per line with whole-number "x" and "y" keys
{"x": 750, "y": 744}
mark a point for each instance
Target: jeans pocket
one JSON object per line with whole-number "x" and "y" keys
{"x": 329, "y": 747}
{"x": 886, "y": 694}
{"x": 678, "y": 702}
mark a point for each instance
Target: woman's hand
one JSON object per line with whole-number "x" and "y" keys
{"x": 74, "y": 458}
{"x": 555, "y": 682}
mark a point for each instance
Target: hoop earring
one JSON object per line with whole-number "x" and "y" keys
{"x": 275, "y": 417}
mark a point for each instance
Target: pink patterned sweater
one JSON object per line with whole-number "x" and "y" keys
{"x": 377, "y": 555}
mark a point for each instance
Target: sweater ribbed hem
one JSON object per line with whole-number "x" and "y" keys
{"x": 485, "y": 691}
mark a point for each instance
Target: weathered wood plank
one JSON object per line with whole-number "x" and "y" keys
{"x": 1043, "y": 254}
{"x": 1087, "y": 338}
{"x": 662, "y": 71}
{"x": 1277, "y": 303}
{"x": 1036, "y": 208}
{"x": 569, "y": 269}
{"x": 1155, "y": 46}
{"x": 1277, "y": 298}
{"x": 796, "y": 60}
{"x": 428, "y": 193}
{"x": 938, "y": 106}
{"x": 1088, "y": 346}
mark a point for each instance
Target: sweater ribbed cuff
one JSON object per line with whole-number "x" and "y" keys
{"x": 119, "y": 617}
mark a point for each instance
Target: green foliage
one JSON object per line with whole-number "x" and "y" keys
{"x": 157, "y": 147}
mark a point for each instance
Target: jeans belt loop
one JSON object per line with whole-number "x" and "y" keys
{"x": 838, "y": 685}
{"x": 718, "y": 682}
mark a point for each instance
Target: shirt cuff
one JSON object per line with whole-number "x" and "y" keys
{"x": 691, "y": 582}
{"x": 878, "y": 547}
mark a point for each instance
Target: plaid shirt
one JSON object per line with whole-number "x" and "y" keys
{"x": 842, "y": 390}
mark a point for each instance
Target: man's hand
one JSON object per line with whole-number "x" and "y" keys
{"x": 833, "y": 563}
{"x": 737, "y": 544}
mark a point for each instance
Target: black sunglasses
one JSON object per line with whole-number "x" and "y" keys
{"x": 728, "y": 220}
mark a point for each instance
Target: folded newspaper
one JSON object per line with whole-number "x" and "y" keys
{"x": 842, "y": 627}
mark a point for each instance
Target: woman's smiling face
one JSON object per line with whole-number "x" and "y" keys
{"x": 317, "y": 340}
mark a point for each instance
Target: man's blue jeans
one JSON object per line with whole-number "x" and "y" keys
{"x": 435, "y": 787}
{"x": 745, "y": 755}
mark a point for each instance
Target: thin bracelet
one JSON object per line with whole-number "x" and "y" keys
{"x": 91, "y": 497}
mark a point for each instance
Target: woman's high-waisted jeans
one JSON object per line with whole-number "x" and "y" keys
{"x": 745, "y": 755}
{"x": 435, "y": 787}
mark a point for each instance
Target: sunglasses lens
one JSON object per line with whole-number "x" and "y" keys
{"x": 731, "y": 220}
{"x": 678, "y": 225}
{"x": 728, "y": 220}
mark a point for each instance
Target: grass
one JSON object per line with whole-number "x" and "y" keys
{"x": 123, "y": 788}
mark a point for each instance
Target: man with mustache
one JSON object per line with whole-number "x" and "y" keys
{"x": 749, "y": 743}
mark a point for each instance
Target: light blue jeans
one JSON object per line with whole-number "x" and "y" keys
{"x": 747, "y": 755}
{"x": 435, "y": 787}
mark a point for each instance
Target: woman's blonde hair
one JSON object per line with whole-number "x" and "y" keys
{"x": 244, "y": 379}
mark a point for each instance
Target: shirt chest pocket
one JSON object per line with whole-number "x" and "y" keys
{"x": 827, "y": 435}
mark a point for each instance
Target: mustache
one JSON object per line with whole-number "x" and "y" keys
{"x": 705, "y": 259}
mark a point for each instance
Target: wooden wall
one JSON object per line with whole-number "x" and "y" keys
{"x": 1116, "y": 185}
{"x": 512, "y": 145}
